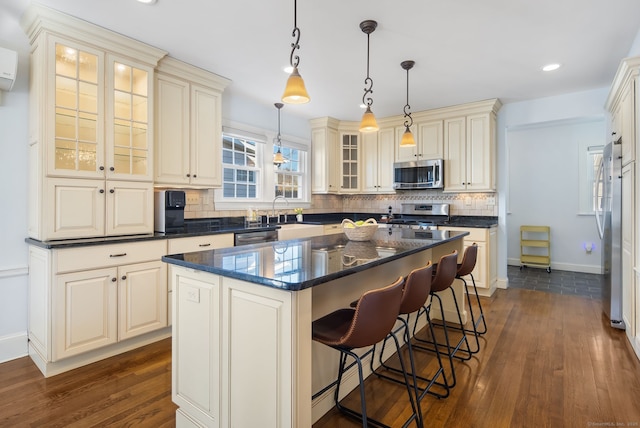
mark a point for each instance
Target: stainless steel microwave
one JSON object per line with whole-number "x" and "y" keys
{"x": 422, "y": 174}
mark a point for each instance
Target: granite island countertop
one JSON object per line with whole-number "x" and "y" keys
{"x": 294, "y": 264}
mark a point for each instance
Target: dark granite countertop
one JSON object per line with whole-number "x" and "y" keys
{"x": 472, "y": 221}
{"x": 291, "y": 265}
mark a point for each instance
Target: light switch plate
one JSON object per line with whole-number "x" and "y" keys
{"x": 193, "y": 198}
{"x": 193, "y": 294}
{"x": 491, "y": 200}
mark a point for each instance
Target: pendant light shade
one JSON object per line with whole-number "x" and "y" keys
{"x": 407, "y": 137}
{"x": 368, "y": 123}
{"x": 278, "y": 157}
{"x": 295, "y": 92}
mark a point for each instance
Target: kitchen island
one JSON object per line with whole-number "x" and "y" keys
{"x": 243, "y": 354}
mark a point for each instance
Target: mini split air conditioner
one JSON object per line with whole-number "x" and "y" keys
{"x": 8, "y": 68}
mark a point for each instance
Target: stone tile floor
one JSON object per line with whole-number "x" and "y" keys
{"x": 558, "y": 281}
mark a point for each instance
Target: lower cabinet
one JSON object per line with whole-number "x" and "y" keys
{"x": 232, "y": 350}
{"x": 88, "y": 303}
{"x": 486, "y": 270}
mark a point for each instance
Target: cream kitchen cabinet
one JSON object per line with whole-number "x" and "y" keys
{"x": 486, "y": 271}
{"x": 350, "y": 153}
{"x": 188, "y": 125}
{"x": 332, "y": 229}
{"x": 629, "y": 297}
{"x": 429, "y": 139}
{"x": 199, "y": 243}
{"x": 377, "y": 161}
{"x": 622, "y": 103}
{"x": 91, "y": 302}
{"x": 469, "y": 153}
{"x": 324, "y": 148}
{"x": 90, "y": 119}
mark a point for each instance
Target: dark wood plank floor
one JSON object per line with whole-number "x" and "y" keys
{"x": 548, "y": 360}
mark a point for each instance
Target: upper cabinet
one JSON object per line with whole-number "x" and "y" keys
{"x": 91, "y": 121}
{"x": 188, "y": 125}
{"x": 324, "y": 149}
{"x": 621, "y": 103}
{"x": 429, "y": 142}
{"x": 377, "y": 161}
{"x": 470, "y": 152}
{"x": 350, "y": 162}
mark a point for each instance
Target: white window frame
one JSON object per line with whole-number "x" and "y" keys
{"x": 587, "y": 177}
{"x": 266, "y": 171}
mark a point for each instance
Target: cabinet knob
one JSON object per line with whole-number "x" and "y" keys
{"x": 101, "y": 168}
{"x": 111, "y": 191}
{"x": 101, "y": 190}
{"x": 188, "y": 175}
{"x": 124, "y": 277}
{"x": 112, "y": 169}
{"x": 114, "y": 279}
{"x": 195, "y": 175}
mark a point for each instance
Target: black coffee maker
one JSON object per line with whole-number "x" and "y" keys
{"x": 169, "y": 211}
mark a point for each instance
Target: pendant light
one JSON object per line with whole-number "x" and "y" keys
{"x": 278, "y": 157}
{"x": 295, "y": 91}
{"x": 368, "y": 123}
{"x": 407, "y": 137}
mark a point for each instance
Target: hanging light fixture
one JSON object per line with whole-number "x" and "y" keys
{"x": 295, "y": 91}
{"x": 368, "y": 123}
{"x": 278, "y": 157}
{"x": 407, "y": 137}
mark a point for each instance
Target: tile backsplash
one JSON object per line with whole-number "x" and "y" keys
{"x": 200, "y": 203}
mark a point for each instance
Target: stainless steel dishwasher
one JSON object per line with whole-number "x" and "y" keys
{"x": 254, "y": 237}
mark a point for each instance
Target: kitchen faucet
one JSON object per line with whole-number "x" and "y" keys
{"x": 273, "y": 207}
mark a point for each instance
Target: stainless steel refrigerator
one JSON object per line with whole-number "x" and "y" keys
{"x": 609, "y": 221}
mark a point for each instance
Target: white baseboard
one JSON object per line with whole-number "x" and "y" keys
{"x": 595, "y": 269}
{"x": 14, "y": 346}
{"x": 502, "y": 283}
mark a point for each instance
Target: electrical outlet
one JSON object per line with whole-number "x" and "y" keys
{"x": 193, "y": 198}
{"x": 193, "y": 294}
{"x": 491, "y": 200}
{"x": 468, "y": 200}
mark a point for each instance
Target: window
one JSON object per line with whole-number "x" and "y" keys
{"x": 289, "y": 175}
{"x": 240, "y": 178}
{"x": 590, "y": 159}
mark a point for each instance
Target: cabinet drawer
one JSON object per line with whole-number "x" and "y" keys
{"x": 475, "y": 234}
{"x": 330, "y": 229}
{"x": 92, "y": 257}
{"x": 199, "y": 243}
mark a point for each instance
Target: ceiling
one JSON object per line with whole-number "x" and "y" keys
{"x": 464, "y": 50}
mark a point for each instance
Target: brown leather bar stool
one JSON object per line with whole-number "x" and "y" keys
{"x": 417, "y": 287}
{"x": 370, "y": 322}
{"x": 443, "y": 278}
{"x": 465, "y": 268}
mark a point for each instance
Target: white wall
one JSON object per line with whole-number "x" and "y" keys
{"x": 544, "y": 183}
{"x": 13, "y": 211}
{"x": 563, "y": 111}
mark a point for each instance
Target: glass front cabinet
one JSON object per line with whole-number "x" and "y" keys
{"x": 91, "y": 139}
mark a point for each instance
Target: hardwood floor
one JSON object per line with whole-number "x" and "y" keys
{"x": 548, "y": 360}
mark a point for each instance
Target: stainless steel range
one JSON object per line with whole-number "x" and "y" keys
{"x": 421, "y": 215}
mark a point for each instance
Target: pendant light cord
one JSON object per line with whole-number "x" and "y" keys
{"x": 409, "y": 122}
{"x": 296, "y": 33}
{"x": 368, "y": 81}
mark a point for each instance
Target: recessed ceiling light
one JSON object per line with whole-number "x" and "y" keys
{"x": 551, "y": 67}
{"x": 148, "y": 1}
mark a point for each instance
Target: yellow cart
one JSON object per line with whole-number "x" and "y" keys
{"x": 535, "y": 245}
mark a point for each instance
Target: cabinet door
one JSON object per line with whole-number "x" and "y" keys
{"x": 350, "y": 162}
{"x": 75, "y": 115}
{"x": 324, "y": 172}
{"x": 172, "y": 131}
{"x": 129, "y": 208}
{"x": 206, "y": 137}
{"x": 196, "y": 345}
{"x": 142, "y": 298}
{"x": 410, "y": 153}
{"x": 75, "y": 208}
{"x": 628, "y": 289}
{"x": 370, "y": 181}
{"x": 84, "y": 312}
{"x": 480, "y": 154}
{"x": 430, "y": 140}
{"x": 628, "y": 123}
{"x": 455, "y": 155}
{"x": 129, "y": 129}
{"x": 386, "y": 148}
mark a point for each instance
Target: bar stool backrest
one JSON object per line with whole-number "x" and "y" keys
{"x": 445, "y": 272}
{"x": 468, "y": 260}
{"x": 417, "y": 287}
{"x": 375, "y": 316}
